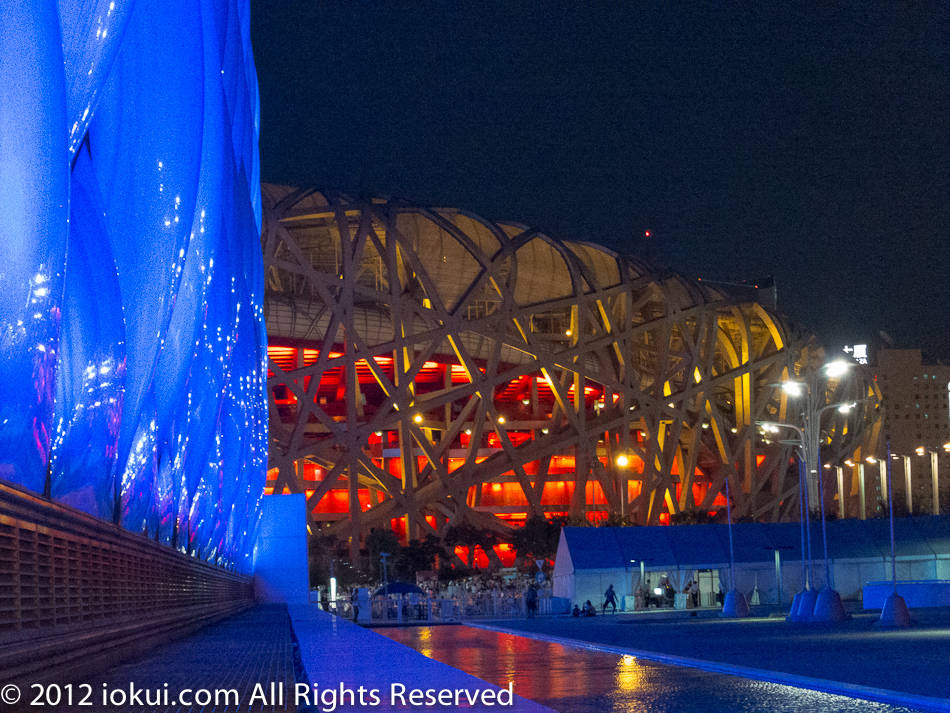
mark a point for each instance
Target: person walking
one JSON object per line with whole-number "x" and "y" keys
{"x": 531, "y": 601}
{"x": 610, "y": 597}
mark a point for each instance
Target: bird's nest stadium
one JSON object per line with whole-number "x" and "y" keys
{"x": 429, "y": 367}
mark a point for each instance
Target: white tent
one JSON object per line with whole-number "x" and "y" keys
{"x": 589, "y": 559}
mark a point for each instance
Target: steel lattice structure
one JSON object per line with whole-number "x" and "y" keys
{"x": 432, "y": 366}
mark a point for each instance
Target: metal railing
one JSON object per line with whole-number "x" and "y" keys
{"x": 435, "y": 611}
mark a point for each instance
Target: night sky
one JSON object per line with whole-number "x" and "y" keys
{"x": 811, "y": 143}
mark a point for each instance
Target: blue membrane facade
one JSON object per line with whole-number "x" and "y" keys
{"x": 132, "y": 341}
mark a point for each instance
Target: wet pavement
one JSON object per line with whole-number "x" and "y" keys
{"x": 573, "y": 680}
{"x": 911, "y": 661}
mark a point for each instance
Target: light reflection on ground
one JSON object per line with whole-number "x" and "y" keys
{"x": 571, "y": 680}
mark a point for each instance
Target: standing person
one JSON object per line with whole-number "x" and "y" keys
{"x": 639, "y": 598}
{"x": 355, "y": 604}
{"x": 694, "y": 593}
{"x": 531, "y": 600}
{"x": 610, "y": 597}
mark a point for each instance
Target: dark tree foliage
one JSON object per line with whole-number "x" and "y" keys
{"x": 377, "y": 542}
{"x": 417, "y": 556}
{"x": 328, "y": 556}
{"x": 695, "y": 517}
{"x": 537, "y": 539}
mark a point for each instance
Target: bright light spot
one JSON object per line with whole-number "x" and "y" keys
{"x": 837, "y": 368}
{"x": 501, "y": 419}
{"x": 647, "y": 233}
{"x": 42, "y": 292}
{"x": 844, "y": 408}
{"x": 792, "y": 388}
{"x": 658, "y": 591}
{"x": 623, "y": 461}
{"x": 417, "y": 418}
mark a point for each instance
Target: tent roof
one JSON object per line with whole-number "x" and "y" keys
{"x": 707, "y": 546}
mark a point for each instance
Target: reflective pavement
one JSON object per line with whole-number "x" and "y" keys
{"x": 575, "y": 680}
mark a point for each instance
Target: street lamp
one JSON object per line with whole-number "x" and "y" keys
{"x": 895, "y": 611}
{"x": 827, "y": 604}
{"x": 806, "y": 596}
{"x": 734, "y": 603}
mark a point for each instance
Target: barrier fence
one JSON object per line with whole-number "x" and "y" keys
{"x": 80, "y": 593}
{"x": 435, "y": 611}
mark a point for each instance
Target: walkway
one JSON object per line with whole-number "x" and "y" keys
{"x": 338, "y": 654}
{"x": 249, "y": 650}
{"x": 245, "y": 664}
{"x": 854, "y": 653}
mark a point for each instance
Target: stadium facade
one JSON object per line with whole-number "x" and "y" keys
{"x": 429, "y": 367}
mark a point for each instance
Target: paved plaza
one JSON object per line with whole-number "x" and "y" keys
{"x": 249, "y": 652}
{"x": 855, "y": 653}
{"x": 245, "y": 651}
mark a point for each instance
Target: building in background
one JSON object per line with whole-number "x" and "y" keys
{"x": 430, "y": 368}
{"x": 917, "y": 424}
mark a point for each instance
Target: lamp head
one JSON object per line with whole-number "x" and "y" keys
{"x": 837, "y": 368}
{"x": 844, "y": 408}
{"x": 792, "y": 388}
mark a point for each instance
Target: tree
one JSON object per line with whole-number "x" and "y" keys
{"x": 417, "y": 556}
{"x": 328, "y": 556}
{"x": 695, "y": 517}
{"x": 465, "y": 534}
{"x": 537, "y": 539}
{"x": 377, "y": 542}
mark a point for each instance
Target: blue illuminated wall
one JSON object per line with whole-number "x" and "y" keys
{"x": 132, "y": 343}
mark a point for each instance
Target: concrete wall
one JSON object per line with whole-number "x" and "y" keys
{"x": 280, "y": 556}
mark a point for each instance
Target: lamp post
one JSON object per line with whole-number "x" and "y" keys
{"x": 827, "y": 603}
{"x": 734, "y": 604}
{"x": 934, "y": 481}
{"x": 803, "y": 603}
{"x": 895, "y": 611}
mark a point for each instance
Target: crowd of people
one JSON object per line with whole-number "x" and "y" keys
{"x": 470, "y": 591}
